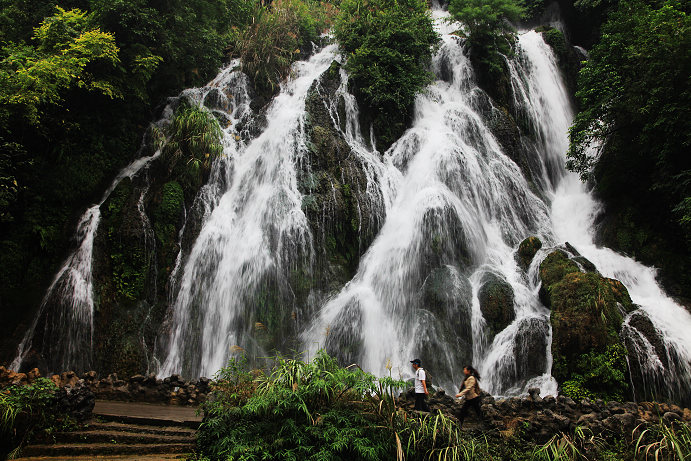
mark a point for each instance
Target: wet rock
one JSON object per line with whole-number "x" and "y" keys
{"x": 527, "y": 250}
{"x": 531, "y": 347}
{"x": 496, "y": 303}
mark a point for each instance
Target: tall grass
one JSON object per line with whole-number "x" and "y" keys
{"x": 275, "y": 37}
{"x": 664, "y": 442}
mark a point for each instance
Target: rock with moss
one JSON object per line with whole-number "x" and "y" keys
{"x": 446, "y": 313}
{"x": 587, "y": 316}
{"x": 334, "y": 187}
{"x": 496, "y": 303}
{"x": 527, "y": 250}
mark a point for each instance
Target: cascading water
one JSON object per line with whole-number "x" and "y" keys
{"x": 64, "y": 324}
{"x": 449, "y": 206}
{"x": 461, "y": 208}
{"x": 250, "y": 241}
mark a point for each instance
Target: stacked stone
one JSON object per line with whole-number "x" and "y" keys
{"x": 139, "y": 388}
{"x": 540, "y": 418}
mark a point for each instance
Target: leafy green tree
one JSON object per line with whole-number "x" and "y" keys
{"x": 636, "y": 108}
{"x": 389, "y": 45}
{"x": 67, "y": 50}
{"x": 486, "y": 21}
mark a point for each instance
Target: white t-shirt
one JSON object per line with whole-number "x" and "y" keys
{"x": 419, "y": 378}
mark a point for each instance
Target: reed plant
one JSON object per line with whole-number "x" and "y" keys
{"x": 663, "y": 442}
{"x": 582, "y": 444}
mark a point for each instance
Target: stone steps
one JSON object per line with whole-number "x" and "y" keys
{"x": 124, "y": 431}
{"x": 95, "y": 449}
{"x": 161, "y": 430}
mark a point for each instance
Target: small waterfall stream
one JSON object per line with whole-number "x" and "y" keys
{"x": 66, "y": 313}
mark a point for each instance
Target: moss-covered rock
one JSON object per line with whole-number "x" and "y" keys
{"x": 527, "y": 250}
{"x": 334, "y": 188}
{"x": 496, "y": 303}
{"x": 587, "y": 315}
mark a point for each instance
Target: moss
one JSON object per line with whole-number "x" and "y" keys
{"x": 527, "y": 250}
{"x": 586, "y": 320}
{"x": 496, "y": 303}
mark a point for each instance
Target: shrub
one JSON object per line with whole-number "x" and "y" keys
{"x": 24, "y": 410}
{"x": 388, "y": 46}
{"x": 190, "y": 143}
{"x": 300, "y": 410}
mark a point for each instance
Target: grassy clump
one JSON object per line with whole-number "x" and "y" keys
{"x": 24, "y": 412}
{"x": 274, "y": 37}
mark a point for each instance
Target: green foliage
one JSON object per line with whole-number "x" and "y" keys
{"x": 68, "y": 46}
{"x": 168, "y": 212}
{"x": 274, "y": 38}
{"x": 635, "y": 113}
{"x": 24, "y": 410}
{"x": 300, "y": 410}
{"x": 488, "y": 29}
{"x": 569, "y": 447}
{"x": 388, "y": 46}
{"x": 192, "y": 141}
{"x": 599, "y": 376}
{"x": 484, "y": 18}
{"x": 664, "y": 441}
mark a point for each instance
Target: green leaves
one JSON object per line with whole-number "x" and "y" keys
{"x": 67, "y": 45}
{"x": 388, "y": 46}
{"x": 299, "y": 410}
{"x": 637, "y": 81}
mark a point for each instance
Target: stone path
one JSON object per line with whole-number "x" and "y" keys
{"x": 125, "y": 431}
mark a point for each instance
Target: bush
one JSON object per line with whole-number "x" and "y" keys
{"x": 300, "y": 410}
{"x": 190, "y": 143}
{"x": 389, "y": 46}
{"x": 24, "y": 411}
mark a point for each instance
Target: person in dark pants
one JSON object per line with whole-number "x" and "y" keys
{"x": 470, "y": 390}
{"x": 421, "y": 391}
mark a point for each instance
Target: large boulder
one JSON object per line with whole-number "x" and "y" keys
{"x": 496, "y": 303}
{"x": 527, "y": 250}
{"x": 587, "y": 316}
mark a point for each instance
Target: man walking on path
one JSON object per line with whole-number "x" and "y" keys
{"x": 421, "y": 391}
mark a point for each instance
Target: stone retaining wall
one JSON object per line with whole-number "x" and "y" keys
{"x": 139, "y": 388}
{"x": 540, "y": 418}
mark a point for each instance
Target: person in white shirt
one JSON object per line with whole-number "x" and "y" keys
{"x": 421, "y": 391}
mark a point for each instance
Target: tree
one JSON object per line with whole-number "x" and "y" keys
{"x": 485, "y": 19}
{"x": 67, "y": 49}
{"x": 636, "y": 106}
{"x": 388, "y": 45}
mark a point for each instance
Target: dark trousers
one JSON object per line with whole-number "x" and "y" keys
{"x": 420, "y": 403}
{"x": 467, "y": 405}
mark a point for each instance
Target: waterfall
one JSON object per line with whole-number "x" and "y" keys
{"x": 249, "y": 242}
{"x": 449, "y": 202}
{"x": 461, "y": 208}
{"x": 65, "y": 320}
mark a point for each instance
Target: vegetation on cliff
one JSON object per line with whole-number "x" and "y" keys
{"x": 632, "y": 134}
{"x": 388, "y": 47}
{"x": 589, "y": 357}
